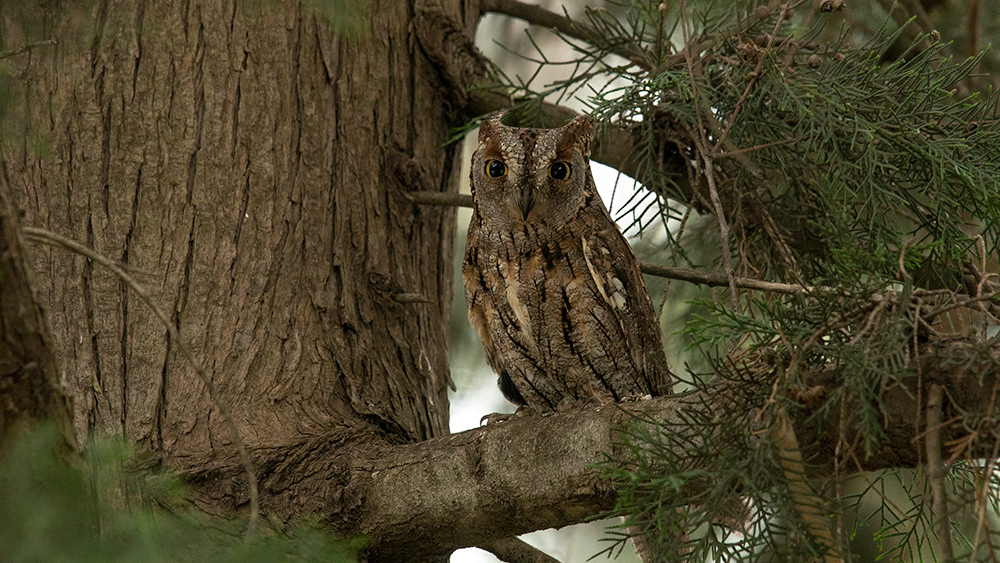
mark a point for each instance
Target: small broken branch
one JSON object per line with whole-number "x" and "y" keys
{"x": 805, "y": 501}
{"x": 717, "y": 280}
{"x": 406, "y": 298}
{"x": 936, "y": 471}
{"x": 698, "y": 277}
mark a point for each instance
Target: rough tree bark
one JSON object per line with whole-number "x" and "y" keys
{"x": 249, "y": 166}
{"x": 30, "y": 390}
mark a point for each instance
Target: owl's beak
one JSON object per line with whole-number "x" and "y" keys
{"x": 526, "y": 201}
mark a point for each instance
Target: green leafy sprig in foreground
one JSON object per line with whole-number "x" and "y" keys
{"x": 112, "y": 506}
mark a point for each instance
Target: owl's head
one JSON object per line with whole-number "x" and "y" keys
{"x": 531, "y": 175}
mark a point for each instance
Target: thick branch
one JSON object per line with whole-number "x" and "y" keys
{"x": 532, "y": 472}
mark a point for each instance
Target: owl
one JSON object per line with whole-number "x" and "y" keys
{"x": 554, "y": 291}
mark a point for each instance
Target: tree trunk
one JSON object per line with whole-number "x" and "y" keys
{"x": 30, "y": 391}
{"x": 250, "y": 168}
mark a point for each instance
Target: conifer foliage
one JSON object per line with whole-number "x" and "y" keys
{"x": 857, "y": 167}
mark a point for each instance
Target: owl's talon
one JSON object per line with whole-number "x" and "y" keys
{"x": 635, "y": 398}
{"x": 495, "y": 418}
{"x": 498, "y": 417}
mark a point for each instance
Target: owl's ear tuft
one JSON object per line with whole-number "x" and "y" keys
{"x": 579, "y": 133}
{"x": 491, "y": 125}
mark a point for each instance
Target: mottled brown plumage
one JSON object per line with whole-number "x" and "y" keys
{"x": 553, "y": 289}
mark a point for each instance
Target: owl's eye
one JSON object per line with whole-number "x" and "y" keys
{"x": 559, "y": 171}
{"x": 495, "y": 169}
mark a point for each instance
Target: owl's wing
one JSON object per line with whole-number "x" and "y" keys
{"x": 475, "y": 291}
{"x": 618, "y": 280}
{"x": 482, "y": 309}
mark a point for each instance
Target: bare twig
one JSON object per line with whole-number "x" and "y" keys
{"x": 727, "y": 260}
{"x": 706, "y": 155}
{"x": 31, "y": 390}
{"x": 48, "y": 237}
{"x": 962, "y": 303}
{"x": 839, "y": 457}
{"x": 445, "y": 199}
{"x": 936, "y": 472}
{"x": 716, "y": 280}
{"x": 697, "y": 276}
{"x": 27, "y": 47}
{"x": 973, "y": 30}
{"x": 982, "y": 486}
{"x": 739, "y": 152}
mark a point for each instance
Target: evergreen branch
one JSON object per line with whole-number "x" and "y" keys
{"x": 753, "y": 80}
{"x": 921, "y": 169}
{"x": 909, "y": 14}
{"x": 735, "y": 30}
{"x": 887, "y": 499}
{"x": 48, "y": 237}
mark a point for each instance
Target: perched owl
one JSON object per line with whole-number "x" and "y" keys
{"x": 553, "y": 289}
